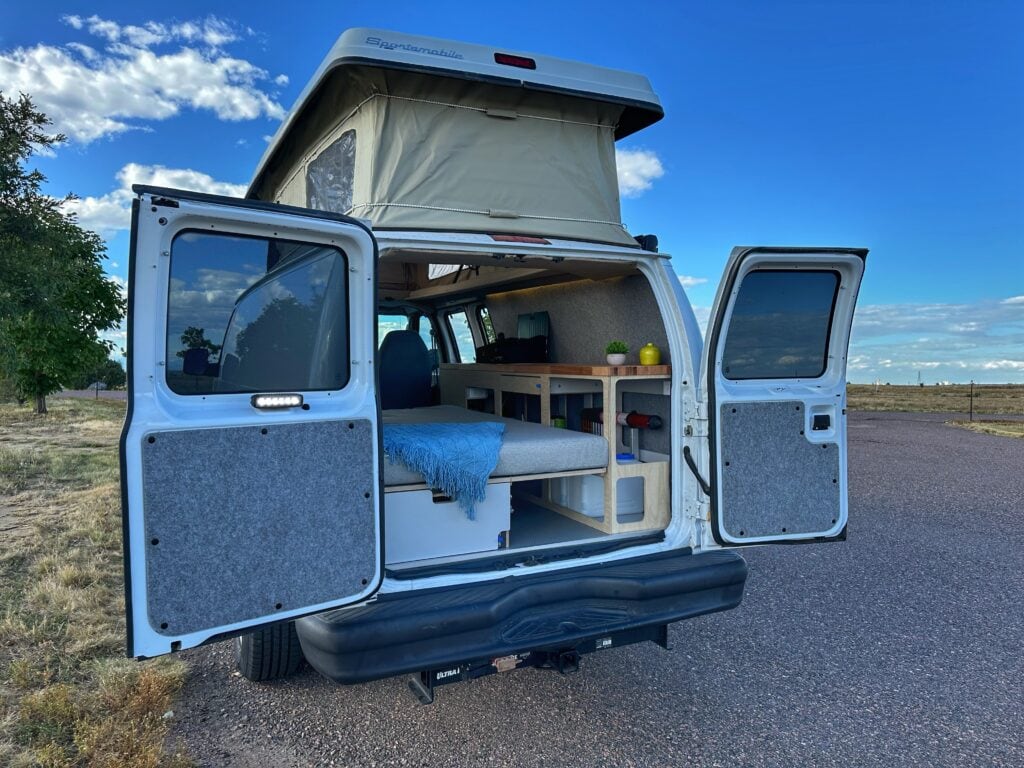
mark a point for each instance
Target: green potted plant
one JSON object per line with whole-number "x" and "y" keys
{"x": 616, "y": 352}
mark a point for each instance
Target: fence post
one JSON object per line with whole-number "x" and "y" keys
{"x": 972, "y": 400}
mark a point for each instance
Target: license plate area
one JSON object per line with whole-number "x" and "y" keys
{"x": 562, "y": 660}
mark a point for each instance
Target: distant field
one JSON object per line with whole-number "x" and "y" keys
{"x": 953, "y": 398}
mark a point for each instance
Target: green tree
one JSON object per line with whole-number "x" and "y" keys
{"x": 110, "y": 372}
{"x": 55, "y": 300}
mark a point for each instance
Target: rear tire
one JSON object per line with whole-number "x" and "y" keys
{"x": 269, "y": 653}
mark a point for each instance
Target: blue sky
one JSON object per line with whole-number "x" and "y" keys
{"x": 895, "y": 126}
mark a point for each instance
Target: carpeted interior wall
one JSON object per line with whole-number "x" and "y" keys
{"x": 586, "y": 315}
{"x": 247, "y": 521}
{"x": 774, "y": 480}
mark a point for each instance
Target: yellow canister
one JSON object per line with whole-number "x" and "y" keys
{"x": 650, "y": 354}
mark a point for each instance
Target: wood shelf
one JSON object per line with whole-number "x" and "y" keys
{"x": 562, "y": 369}
{"x": 608, "y": 381}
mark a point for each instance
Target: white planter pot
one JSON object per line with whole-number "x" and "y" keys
{"x": 616, "y": 359}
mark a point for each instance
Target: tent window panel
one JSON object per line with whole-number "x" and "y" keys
{"x": 329, "y": 176}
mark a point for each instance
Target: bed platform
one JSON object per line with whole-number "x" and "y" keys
{"x": 528, "y": 451}
{"x": 423, "y": 524}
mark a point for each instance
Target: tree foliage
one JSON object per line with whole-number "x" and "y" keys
{"x": 55, "y": 300}
{"x": 109, "y": 372}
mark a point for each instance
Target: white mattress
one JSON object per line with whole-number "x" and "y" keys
{"x": 526, "y": 448}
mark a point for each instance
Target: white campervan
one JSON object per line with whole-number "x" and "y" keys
{"x": 371, "y": 421}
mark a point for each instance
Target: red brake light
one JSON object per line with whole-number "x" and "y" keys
{"x": 515, "y": 61}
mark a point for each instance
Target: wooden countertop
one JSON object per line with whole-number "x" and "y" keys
{"x": 562, "y": 369}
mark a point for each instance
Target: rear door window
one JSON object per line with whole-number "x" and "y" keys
{"x": 253, "y": 314}
{"x": 780, "y": 325}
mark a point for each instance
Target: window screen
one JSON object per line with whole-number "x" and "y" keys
{"x": 435, "y": 271}
{"x": 256, "y": 314}
{"x": 780, "y": 325}
{"x": 329, "y": 176}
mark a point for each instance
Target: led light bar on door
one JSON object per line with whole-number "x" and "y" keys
{"x": 276, "y": 402}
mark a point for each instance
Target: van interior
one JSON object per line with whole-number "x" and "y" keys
{"x": 473, "y": 338}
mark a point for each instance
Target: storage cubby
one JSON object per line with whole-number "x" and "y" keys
{"x": 539, "y": 392}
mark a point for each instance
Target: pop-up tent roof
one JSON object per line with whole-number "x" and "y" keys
{"x": 420, "y": 133}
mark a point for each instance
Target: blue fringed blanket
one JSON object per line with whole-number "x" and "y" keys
{"x": 456, "y": 458}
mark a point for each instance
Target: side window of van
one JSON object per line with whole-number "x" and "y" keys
{"x": 386, "y": 323}
{"x": 329, "y": 176}
{"x": 458, "y": 325}
{"x": 254, "y": 314}
{"x": 486, "y": 325}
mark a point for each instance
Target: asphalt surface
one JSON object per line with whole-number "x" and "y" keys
{"x": 903, "y": 646}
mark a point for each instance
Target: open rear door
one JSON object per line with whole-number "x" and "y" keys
{"x": 250, "y": 456}
{"x": 774, "y": 380}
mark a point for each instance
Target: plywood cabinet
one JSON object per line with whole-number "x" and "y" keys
{"x": 472, "y": 385}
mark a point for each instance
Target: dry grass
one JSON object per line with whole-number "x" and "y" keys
{"x": 993, "y": 427}
{"x": 67, "y": 696}
{"x": 953, "y": 398}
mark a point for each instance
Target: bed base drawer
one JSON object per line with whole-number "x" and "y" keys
{"x": 420, "y": 525}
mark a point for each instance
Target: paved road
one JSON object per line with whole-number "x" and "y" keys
{"x": 902, "y": 646}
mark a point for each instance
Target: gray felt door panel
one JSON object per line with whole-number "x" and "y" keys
{"x": 774, "y": 480}
{"x": 243, "y": 522}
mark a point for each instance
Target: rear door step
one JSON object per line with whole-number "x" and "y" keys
{"x": 565, "y": 611}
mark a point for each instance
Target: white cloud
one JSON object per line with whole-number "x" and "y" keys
{"x": 689, "y": 281}
{"x": 212, "y": 31}
{"x": 982, "y": 340}
{"x": 703, "y": 315}
{"x": 1003, "y": 365}
{"x": 111, "y": 212}
{"x": 90, "y": 93}
{"x": 637, "y": 170}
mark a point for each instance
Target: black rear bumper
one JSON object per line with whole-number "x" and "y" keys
{"x": 402, "y": 633}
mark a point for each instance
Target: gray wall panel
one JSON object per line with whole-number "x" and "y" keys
{"x": 775, "y": 478}
{"x": 659, "y": 440}
{"x": 245, "y": 521}
{"x": 586, "y": 315}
